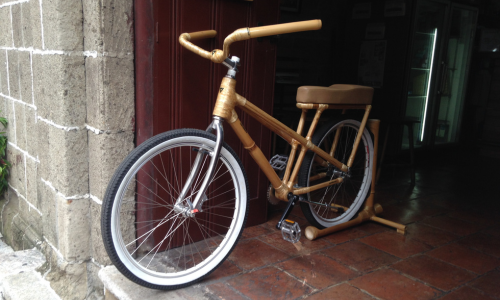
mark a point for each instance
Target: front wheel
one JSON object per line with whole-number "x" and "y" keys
{"x": 154, "y": 244}
{"x": 341, "y": 201}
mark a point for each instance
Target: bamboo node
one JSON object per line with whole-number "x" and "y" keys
{"x": 234, "y": 117}
{"x": 250, "y": 148}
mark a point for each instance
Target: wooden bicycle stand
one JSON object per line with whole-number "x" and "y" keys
{"x": 370, "y": 211}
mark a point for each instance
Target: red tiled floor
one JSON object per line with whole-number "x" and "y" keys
{"x": 453, "y": 225}
{"x": 249, "y": 254}
{"x": 254, "y": 231}
{"x": 269, "y": 283}
{"x": 466, "y": 258}
{"x": 372, "y": 227}
{"x": 342, "y": 291}
{"x": 404, "y": 192}
{"x": 445, "y": 200}
{"x": 436, "y": 273}
{"x": 317, "y": 270}
{"x": 429, "y": 235}
{"x": 394, "y": 266}
{"x": 484, "y": 243}
{"x": 395, "y": 244}
{"x": 306, "y": 246}
{"x": 345, "y": 235}
{"x": 473, "y": 217}
{"x": 493, "y": 230}
{"x": 360, "y": 256}
{"x": 410, "y": 211}
{"x": 489, "y": 284}
{"x": 227, "y": 268}
{"x": 466, "y": 293}
{"x": 222, "y": 291}
{"x": 388, "y": 284}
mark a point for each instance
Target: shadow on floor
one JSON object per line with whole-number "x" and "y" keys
{"x": 451, "y": 250}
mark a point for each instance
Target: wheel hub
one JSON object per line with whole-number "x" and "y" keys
{"x": 333, "y": 171}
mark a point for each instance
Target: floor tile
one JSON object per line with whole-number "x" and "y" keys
{"x": 473, "y": 217}
{"x": 395, "y": 244}
{"x": 388, "y": 284}
{"x": 345, "y": 235}
{"x": 223, "y": 291}
{"x": 410, "y": 211}
{"x": 493, "y": 230}
{"x": 489, "y": 284}
{"x": 360, "y": 256}
{"x": 250, "y": 254}
{"x": 371, "y": 227}
{"x": 466, "y": 293}
{"x": 453, "y": 225}
{"x": 317, "y": 270}
{"x": 466, "y": 258}
{"x": 405, "y": 192}
{"x": 434, "y": 272}
{"x": 430, "y": 235}
{"x": 254, "y": 231}
{"x": 445, "y": 200}
{"x": 305, "y": 246}
{"x": 226, "y": 269}
{"x": 484, "y": 243}
{"x": 269, "y": 283}
{"x": 342, "y": 291}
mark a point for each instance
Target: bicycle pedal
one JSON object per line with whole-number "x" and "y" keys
{"x": 290, "y": 231}
{"x": 278, "y": 162}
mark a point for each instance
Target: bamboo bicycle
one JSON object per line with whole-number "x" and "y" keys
{"x": 178, "y": 203}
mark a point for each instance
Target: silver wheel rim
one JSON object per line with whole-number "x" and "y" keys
{"x": 216, "y": 257}
{"x": 364, "y": 184}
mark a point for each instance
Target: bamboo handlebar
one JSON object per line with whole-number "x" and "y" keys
{"x": 242, "y": 34}
{"x": 261, "y": 31}
{"x": 198, "y": 35}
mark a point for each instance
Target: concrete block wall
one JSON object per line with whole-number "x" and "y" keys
{"x": 67, "y": 90}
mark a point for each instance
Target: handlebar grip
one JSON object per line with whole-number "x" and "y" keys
{"x": 256, "y": 32}
{"x": 206, "y": 34}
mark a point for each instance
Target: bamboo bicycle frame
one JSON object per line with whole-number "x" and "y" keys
{"x": 228, "y": 99}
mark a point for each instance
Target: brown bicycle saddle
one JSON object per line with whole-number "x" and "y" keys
{"x": 335, "y": 94}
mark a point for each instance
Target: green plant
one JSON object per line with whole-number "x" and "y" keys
{"x": 4, "y": 163}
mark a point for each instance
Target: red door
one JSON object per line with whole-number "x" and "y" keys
{"x": 184, "y": 85}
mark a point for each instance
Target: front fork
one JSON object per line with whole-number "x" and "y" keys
{"x": 194, "y": 206}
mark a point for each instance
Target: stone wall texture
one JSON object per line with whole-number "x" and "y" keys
{"x": 67, "y": 90}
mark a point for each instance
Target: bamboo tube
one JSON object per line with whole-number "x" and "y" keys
{"x": 313, "y": 233}
{"x": 320, "y": 161}
{"x": 331, "y": 106}
{"x": 261, "y": 31}
{"x": 256, "y": 154}
{"x": 226, "y": 99}
{"x": 358, "y": 137}
{"x": 286, "y": 133}
{"x": 308, "y": 189}
{"x": 206, "y": 34}
{"x": 315, "y": 121}
{"x": 317, "y": 177}
{"x": 335, "y": 140}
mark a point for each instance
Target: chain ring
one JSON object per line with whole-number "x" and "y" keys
{"x": 271, "y": 197}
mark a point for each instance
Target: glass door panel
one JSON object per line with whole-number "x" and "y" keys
{"x": 453, "y": 75}
{"x": 429, "y": 26}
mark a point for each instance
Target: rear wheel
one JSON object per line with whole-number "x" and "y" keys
{"x": 159, "y": 246}
{"x": 342, "y": 200}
